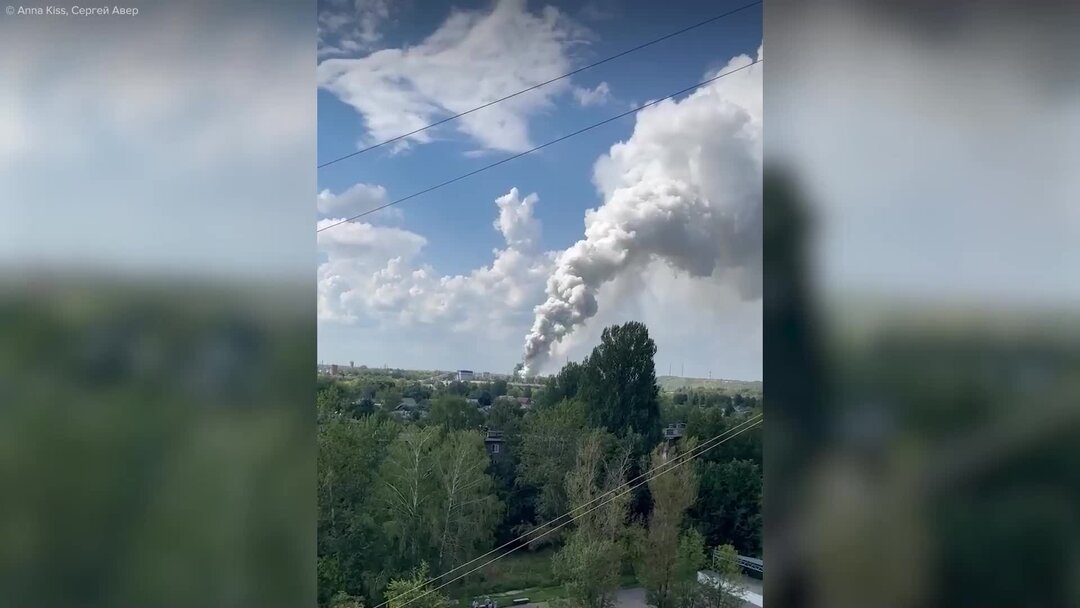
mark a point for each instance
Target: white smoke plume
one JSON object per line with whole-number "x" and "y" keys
{"x": 685, "y": 188}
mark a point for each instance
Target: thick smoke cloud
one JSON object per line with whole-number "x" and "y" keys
{"x": 685, "y": 188}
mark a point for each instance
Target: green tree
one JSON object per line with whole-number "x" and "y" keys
{"x": 706, "y": 423}
{"x": 549, "y": 447}
{"x": 351, "y": 544}
{"x": 723, "y": 589}
{"x": 408, "y": 491}
{"x": 469, "y": 510}
{"x": 344, "y": 600}
{"x": 416, "y": 391}
{"x": 389, "y": 397}
{"x": 414, "y": 591}
{"x": 519, "y": 498}
{"x": 453, "y": 413}
{"x": 728, "y": 508}
{"x": 331, "y": 399}
{"x": 673, "y": 490}
{"x": 618, "y": 382}
{"x": 562, "y": 386}
{"x": 506, "y": 416}
{"x": 590, "y": 562}
{"x": 458, "y": 388}
{"x": 685, "y": 589}
{"x": 364, "y": 406}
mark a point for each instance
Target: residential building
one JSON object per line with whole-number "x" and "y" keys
{"x": 464, "y": 375}
{"x": 494, "y": 444}
{"x": 674, "y": 431}
{"x": 408, "y": 409}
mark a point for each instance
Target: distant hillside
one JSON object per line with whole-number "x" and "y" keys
{"x": 670, "y": 384}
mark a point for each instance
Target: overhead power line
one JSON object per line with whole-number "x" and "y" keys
{"x": 525, "y": 537}
{"x": 540, "y": 147}
{"x": 539, "y": 85}
{"x": 622, "y": 491}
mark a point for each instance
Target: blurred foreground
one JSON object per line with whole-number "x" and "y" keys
{"x": 156, "y": 444}
{"x": 922, "y": 315}
{"x": 156, "y": 313}
{"x": 920, "y": 455}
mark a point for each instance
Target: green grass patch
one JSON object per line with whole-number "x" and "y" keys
{"x": 520, "y": 571}
{"x": 525, "y": 574}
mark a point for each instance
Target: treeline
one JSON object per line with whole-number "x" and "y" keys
{"x": 401, "y": 501}
{"x": 364, "y": 393}
{"x": 392, "y": 497}
{"x": 700, "y": 397}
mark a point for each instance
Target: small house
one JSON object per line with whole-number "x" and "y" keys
{"x": 675, "y": 431}
{"x": 494, "y": 444}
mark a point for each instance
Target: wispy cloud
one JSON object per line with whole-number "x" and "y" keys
{"x": 348, "y": 27}
{"x": 598, "y": 95}
{"x": 473, "y": 58}
{"x": 357, "y": 199}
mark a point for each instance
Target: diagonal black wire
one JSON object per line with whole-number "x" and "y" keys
{"x": 537, "y": 86}
{"x": 540, "y": 147}
{"x": 746, "y": 426}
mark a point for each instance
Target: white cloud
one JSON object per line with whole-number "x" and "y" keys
{"x": 358, "y": 198}
{"x": 118, "y": 145}
{"x": 676, "y": 245}
{"x": 358, "y": 241}
{"x": 350, "y": 26}
{"x": 955, "y": 177}
{"x": 684, "y": 189}
{"x": 162, "y": 98}
{"x": 473, "y": 58}
{"x": 596, "y": 96}
{"x": 516, "y": 221}
{"x": 372, "y": 275}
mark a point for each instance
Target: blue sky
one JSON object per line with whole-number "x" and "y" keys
{"x": 455, "y": 222}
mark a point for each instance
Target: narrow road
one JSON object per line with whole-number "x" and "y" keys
{"x": 635, "y": 597}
